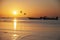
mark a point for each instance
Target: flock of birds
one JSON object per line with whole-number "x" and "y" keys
{"x": 21, "y": 12}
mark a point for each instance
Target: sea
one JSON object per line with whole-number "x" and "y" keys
{"x": 26, "y": 29}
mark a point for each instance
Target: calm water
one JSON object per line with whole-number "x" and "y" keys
{"x": 30, "y": 29}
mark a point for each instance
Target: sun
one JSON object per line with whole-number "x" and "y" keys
{"x": 14, "y": 12}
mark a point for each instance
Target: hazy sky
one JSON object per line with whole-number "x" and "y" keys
{"x": 33, "y": 8}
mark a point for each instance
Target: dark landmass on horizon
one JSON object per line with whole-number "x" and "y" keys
{"x": 40, "y": 18}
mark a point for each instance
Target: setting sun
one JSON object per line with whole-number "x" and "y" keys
{"x": 14, "y": 12}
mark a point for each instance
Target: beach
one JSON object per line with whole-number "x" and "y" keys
{"x": 30, "y": 30}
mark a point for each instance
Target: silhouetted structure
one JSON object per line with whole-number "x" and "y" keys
{"x": 57, "y": 17}
{"x": 45, "y": 18}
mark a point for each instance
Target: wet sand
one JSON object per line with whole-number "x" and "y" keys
{"x": 31, "y": 30}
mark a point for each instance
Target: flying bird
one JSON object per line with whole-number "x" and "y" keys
{"x": 20, "y": 11}
{"x": 24, "y": 13}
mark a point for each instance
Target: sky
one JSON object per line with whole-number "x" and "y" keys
{"x": 32, "y": 8}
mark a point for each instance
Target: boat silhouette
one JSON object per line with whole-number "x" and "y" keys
{"x": 44, "y": 18}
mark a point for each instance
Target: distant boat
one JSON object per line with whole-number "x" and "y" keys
{"x": 33, "y": 18}
{"x": 44, "y": 18}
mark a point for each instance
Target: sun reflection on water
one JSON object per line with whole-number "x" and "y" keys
{"x": 15, "y": 36}
{"x": 15, "y": 23}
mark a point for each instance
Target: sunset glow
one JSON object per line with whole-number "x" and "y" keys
{"x": 14, "y": 12}
{"x": 29, "y": 19}
{"x": 35, "y": 8}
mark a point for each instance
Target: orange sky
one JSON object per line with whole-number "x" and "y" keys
{"x": 32, "y": 8}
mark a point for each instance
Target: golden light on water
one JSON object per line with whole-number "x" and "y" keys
{"x": 15, "y": 23}
{"x": 15, "y": 35}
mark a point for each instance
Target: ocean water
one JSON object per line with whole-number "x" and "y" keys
{"x": 29, "y": 29}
